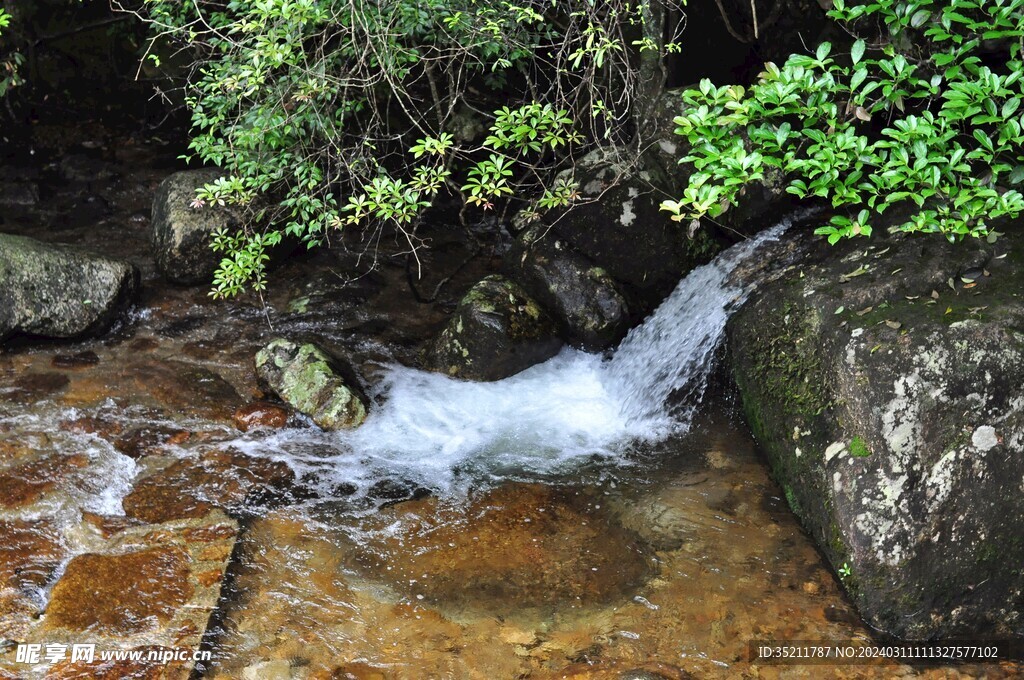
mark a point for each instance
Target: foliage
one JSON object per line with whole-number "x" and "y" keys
{"x": 927, "y": 116}
{"x": 352, "y": 113}
{"x": 10, "y": 59}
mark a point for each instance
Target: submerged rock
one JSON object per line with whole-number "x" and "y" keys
{"x": 182, "y": 230}
{"x": 260, "y": 414}
{"x": 517, "y": 546}
{"x": 588, "y": 305}
{"x": 312, "y": 382}
{"x": 190, "y": 488}
{"x": 25, "y": 484}
{"x": 887, "y": 389}
{"x": 497, "y": 330}
{"x": 59, "y": 292}
{"x": 185, "y": 388}
{"x": 31, "y": 552}
{"x": 148, "y": 587}
{"x": 121, "y": 594}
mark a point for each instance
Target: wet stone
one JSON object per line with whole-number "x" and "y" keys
{"x": 260, "y": 414}
{"x": 107, "y": 525}
{"x": 191, "y": 487}
{"x": 140, "y": 669}
{"x": 30, "y": 552}
{"x": 147, "y": 588}
{"x": 187, "y": 389}
{"x": 619, "y": 671}
{"x": 18, "y": 194}
{"x": 144, "y": 344}
{"x": 517, "y": 546}
{"x": 26, "y": 483}
{"x": 313, "y": 382}
{"x": 120, "y": 594}
{"x": 97, "y": 425}
{"x": 149, "y": 440}
{"x": 78, "y": 360}
{"x": 36, "y": 386}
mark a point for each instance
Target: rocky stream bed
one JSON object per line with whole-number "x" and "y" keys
{"x": 146, "y": 501}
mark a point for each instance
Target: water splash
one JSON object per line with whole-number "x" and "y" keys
{"x": 446, "y": 434}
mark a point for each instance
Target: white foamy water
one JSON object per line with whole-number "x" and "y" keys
{"x": 444, "y": 434}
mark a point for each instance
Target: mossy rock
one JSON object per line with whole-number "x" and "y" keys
{"x": 58, "y": 291}
{"x": 894, "y": 430}
{"x": 182, "y": 230}
{"x": 587, "y": 304}
{"x": 497, "y": 331}
{"x": 312, "y": 382}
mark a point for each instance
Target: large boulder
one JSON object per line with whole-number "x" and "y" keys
{"x": 588, "y": 305}
{"x": 182, "y": 230}
{"x": 58, "y": 291}
{"x": 497, "y": 330}
{"x": 312, "y": 382}
{"x": 884, "y": 379}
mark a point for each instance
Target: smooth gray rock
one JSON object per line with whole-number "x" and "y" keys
{"x": 58, "y": 291}
{"x": 182, "y": 233}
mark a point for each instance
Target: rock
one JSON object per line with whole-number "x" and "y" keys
{"x": 887, "y": 394}
{"x": 517, "y": 546}
{"x": 190, "y": 488}
{"x": 618, "y": 671}
{"x": 186, "y": 388}
{"x": 149, "y": 439}
{"x": 30, "y": 553}
{"x": 25, "y": 484}
{"x": 586, "y": 302}
{"x": 18, "y": 194}
{"x": 33, "y": 387}
{"x": 142, "y": 668}
{"x": 181, "y": 232}
{"x": 73, "y": 361}
{"x": 149, "y": 588}
{"x": 121, "y": 594}
{"x": 497, "y": 331}
{"x": 312, "y": 382}
{"x": 58, "y": 291}
{"x": 260, "y": 414}
{"x": 618, "y": 225}
{"x": 77, "y": 167}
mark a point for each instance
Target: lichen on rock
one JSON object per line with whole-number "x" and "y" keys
{"x": 888, "y": 403}
{"x": 312, "y": 382}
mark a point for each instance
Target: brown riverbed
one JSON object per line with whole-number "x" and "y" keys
{"x": 130, "y": 517}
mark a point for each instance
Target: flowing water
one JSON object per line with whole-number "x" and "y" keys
{"x": 591, "y": 517}
{"x": 446, "y": 435}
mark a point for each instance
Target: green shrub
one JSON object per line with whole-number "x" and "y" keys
{"x": 10, "y": 58}
{"x": 923, "y": 111}
{"x": 346, "y": 112}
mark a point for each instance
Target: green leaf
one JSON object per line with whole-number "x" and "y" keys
{"x": 857, "y": 51}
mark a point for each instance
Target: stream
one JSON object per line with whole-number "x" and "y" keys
{"x": 591, "y": 517}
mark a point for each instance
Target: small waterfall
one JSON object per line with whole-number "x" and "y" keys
{"x": 673, "y": 349}
{"x": 444, "y": 434}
